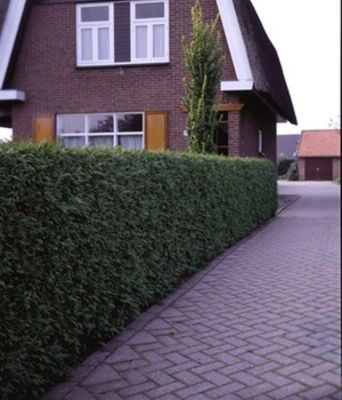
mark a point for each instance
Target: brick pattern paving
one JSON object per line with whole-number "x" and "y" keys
{"x": 261, "y": 322}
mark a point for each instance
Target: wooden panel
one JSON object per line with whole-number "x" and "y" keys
{"x": 318, "y": 169}
{"x": 43, "y": 129}
{"x": 155, "y": 130}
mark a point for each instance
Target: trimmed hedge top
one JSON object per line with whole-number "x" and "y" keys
{"x": 90, "y": 237}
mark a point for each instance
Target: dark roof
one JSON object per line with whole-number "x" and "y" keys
{"x": 320, "y": 143}
{"x": 3, "y": 9}
{"x": 269, "y": 80}
{"x": 287, "y": 146}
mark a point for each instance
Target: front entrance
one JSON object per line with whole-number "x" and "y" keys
{"x": 318, "y": 169}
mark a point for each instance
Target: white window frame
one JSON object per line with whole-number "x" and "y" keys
{"x": 115, "y": 134}
{"x": 260, "y": 141}
{"x": 149, "y": 23}
{"x": 94, "y": 26}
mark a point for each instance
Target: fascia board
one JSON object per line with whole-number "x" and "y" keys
{"x": 232, "y": 86}
{"x": 235, "y": 39}
{"x": 12, "y": 95}
{"x": 9, "y": 34}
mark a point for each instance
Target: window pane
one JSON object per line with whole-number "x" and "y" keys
{"x": 73, "y": 141}
{"x": 131, "y": 141}
{"x": 100, "y": 123}
{"x": 149, "y": 10}
{"x": 70, "y": 124}
{"x": 92, "y": 14}
{"x": 86, "y": 45}
{"x": 158, "y": 41}
{"x": 100, "y": 141}
{"x": 130, "y": 122}
{"x": 141, "y": 42}
{"x": 103, "y": 43}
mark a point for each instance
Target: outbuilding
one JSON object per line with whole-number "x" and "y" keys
{"x": 320, "y": 155}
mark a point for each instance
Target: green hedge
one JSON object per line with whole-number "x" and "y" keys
{"x": 90, "y": 237}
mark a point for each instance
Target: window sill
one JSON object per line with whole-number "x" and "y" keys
{"x": 120, "y": 65}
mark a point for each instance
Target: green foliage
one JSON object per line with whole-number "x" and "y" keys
{"x": 292, "y": 174}
{"x": 90, "y": 237}
{"x": 204, "y": 61}
{"x": 284, "y": 165}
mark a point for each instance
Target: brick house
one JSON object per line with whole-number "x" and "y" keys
{"x": 110, "y": 73}
{"x": 320, "y": 155}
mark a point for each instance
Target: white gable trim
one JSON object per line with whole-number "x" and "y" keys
{"x": 9, "y": 34}
{"x": 237, "y": 48}
{"x": 231, "y": 86}
{"x": 12, "y": 95}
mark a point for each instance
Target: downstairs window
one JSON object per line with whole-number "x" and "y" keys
{"x": 107, "y": 129}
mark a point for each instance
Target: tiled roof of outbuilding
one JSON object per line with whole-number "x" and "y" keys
{"x": 267, "y": 71}
{"x": 320, "y": 143}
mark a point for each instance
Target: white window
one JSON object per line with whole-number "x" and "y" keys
{"x": 149, "y": 31}
{"x": 127, "y": 32}
{"x": 95, "y": 34}
{"x": 121, "y": 129}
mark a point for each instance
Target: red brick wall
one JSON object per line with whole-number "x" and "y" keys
{"x": 256, "y": 116}
{"x": 336, "y": 168}
{"x": 301, "y": 169}
{"x": 46, "y": 70}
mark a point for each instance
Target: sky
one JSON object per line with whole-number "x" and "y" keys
{"x": 306, "y": 34}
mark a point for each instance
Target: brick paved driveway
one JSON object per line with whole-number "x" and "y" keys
{"x": 261, "y": 322}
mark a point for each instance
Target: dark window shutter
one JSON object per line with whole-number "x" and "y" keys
{"x": 122, "y": 32}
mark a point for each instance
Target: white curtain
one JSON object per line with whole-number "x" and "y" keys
{"x": 87, "y": 46}
{"x": 158, "y": 40}
{"x": 73, "y": 141}
{"x": 141, "y": 42}
{"x": 100, "y": 141}
{"x": 131, "y": 141}
{"x": 103, "y": 43}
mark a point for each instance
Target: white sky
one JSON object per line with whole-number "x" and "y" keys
{"x": 306, "y": 34}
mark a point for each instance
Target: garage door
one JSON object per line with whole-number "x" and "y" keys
{"x": 318, "y": 169}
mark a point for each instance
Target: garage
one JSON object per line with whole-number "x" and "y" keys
{"x": 319, "y": 155}
{"x": 318, "y": 169}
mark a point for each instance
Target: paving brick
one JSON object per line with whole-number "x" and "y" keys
{"x": 287, "y": 391}
{"x": 245, "y": 378}
{"x": 166, "y": 389}
{"x": 321, "y": 368}
{"x": 194, "y": 390}
{"x": 319, "y": 393}
{"x": 275, "y": 379}
{"x": 225, "y": 390}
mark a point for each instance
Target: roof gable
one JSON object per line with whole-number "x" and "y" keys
{"x": 320, "y": 143}
{"x": 265, "y": 65}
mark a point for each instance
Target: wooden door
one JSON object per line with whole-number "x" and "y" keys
{"x": 155, "y": 130}
{"x": 318, "y": 169}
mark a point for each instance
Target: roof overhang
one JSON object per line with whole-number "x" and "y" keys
{"x": 12, "y": 95}
{"x": 236, "y": 86}
{"x": 9, "y": 34}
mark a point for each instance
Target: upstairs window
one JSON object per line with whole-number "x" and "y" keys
{"x": 125, "y": 32}
{"x": 149, "y": 31}
{"x": 95, "y": 37}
